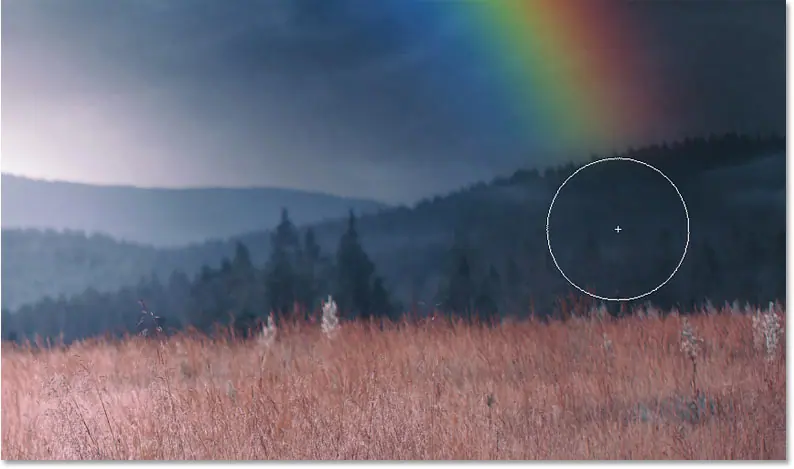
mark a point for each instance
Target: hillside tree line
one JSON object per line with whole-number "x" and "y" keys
{"x": 479, "y": 253}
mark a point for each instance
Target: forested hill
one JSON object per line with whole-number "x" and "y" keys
{"x": 38, "y": 263}
{"x": 163, "y": 217}
{"x": 734, "y": 187}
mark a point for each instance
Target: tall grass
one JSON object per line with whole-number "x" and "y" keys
{"x": 589, "y": 388}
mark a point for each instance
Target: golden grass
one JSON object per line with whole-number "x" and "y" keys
{"x": 440, "y": 391}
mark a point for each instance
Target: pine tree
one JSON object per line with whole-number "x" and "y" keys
{"x": 513, "y": 294}
{"x": 245, "y": 290}
{"x": 209, "y": 299}
{"x": 311, "y": 283}
{"x": 178, "y": 298}
{"x": 458, "y": 295}
{"x": 9, "y": 331}
{"x": 712, "y": 266}
{"x": 778, "y": 260}
{"x": 664, "y": 263}
{"x": 282, "y": 276}
{"x": 381, "y": 302}
{"x": 489, "y": 295}
{"x": 705, "y": 272}
{"x": 354, "y": 271}
{"x": 242, "y": 258}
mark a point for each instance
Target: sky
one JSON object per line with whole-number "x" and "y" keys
{"x": 329, "y": 95}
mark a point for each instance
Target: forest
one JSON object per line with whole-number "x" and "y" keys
{"x": 480, "y": 253}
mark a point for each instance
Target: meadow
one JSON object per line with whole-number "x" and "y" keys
{"x": 710, "y": 386}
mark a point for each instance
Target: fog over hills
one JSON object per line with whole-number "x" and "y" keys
{"x": 734, "y": 188}
{"x": 163, "y": 217}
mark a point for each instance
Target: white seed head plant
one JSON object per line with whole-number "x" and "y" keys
{"x": 330, "y": 320}
{"x": 269, "y": 331}
{"x": 766, "y": 331}
{"x": 690, "y": 342}
{"x": 690, "y": 345}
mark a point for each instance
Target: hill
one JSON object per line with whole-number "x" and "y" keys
{"x": 162, "y": 217}
{"x": 53, "y": 263}
{"x": 734, "y": 187}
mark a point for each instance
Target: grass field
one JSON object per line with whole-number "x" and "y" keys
{"x": 580, "y": 389}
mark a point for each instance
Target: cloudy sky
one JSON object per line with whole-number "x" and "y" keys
{"x": 321, "y": 94}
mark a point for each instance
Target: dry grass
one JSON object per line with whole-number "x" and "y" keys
{"x": 440, "y": 391}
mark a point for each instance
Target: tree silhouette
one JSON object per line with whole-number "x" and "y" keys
{"x": 354, "y": 271}
{"x": 458, "y": 295}
{"x": 282, "y": 275}
{"x": 313, "y": 272}
{"x": 381, "y": 302}
{"x": 489, "y": 295}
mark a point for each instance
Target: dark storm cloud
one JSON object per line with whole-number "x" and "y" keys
{"x": 724, "y": 62}
{"x": 327, "y": 95}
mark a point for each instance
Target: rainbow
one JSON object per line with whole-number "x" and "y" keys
{"x": 564, "y": 73}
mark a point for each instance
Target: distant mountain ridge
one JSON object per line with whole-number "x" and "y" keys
{"x": 163, "y": 217}
{"x": 733, "y": 185}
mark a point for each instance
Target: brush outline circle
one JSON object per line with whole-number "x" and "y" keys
{"x": 548, "y": 236}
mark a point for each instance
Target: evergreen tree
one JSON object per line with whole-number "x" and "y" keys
{"x": 178, "y": 298}
{"x": 244, "y": 288}
{"x": 704, "y": 274}
{"x": 354, "y": 271}
{"x": 7, "y": 326}
{"x": 242, "y": 258}
{"x": 282, "y": 275}
{"x": 313, "y": 270}
{"x": 591, "y": 262}
{"x": 712, "y": 272}
{"x": 548, "y": 263}
{"x": 381, "y": 302}
{"x": 513, "y": 293}
{"x": 208, "y": 299}
{"x": 779, "y": 263}
{"x": 665, "y": 264}
{"x": 458, "y": 295}
{"x": 489, "y": 295}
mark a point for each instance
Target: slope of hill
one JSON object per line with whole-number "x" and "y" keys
{"x": 504, "y": 221}
{"x": 50, "y": 263}
{"x": 734, "y": 188}
{"x": 162, "y": 217}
